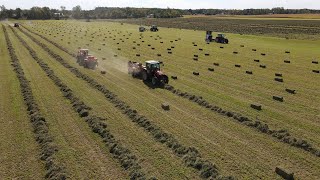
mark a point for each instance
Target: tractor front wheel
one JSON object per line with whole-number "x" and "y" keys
{"x": 154, "y": 81}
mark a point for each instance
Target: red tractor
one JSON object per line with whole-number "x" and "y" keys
{"x": 150, "y": 72}
{"x": 86, "y": 60}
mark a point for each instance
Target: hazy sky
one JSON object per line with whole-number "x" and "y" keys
{"x": 183, "y": 4}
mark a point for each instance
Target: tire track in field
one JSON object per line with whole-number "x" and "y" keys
{"x": 54, "y": 170}
{"x": 282, "y": 135}
{"x": 127, "y": 160}
{"x": 189, "y": 155}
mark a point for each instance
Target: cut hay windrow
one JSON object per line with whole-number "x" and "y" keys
{"x": 54, "y": 169}
{"x": 97, "y": 124}
{"x": 190, "y": 155}
{"x": 282, "y": 134}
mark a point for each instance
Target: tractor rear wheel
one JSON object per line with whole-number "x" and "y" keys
{"x": 144, "y": 75}
{"x": 226, "y": 41}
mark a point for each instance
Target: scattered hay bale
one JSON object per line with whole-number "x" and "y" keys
{"x": 291, "y": 91}
{"x": 237, "y": 65}
{"x": 235, "y": 52}
{"x": 195, "y": 59}
{"x": 287, "y": 52}
{"x": 200, "y": 49}
{"x": 196, "y": 73}
{"x": 316, "y": 71}
{"x": 254, "y": 49}
{"x": 149, "y": 45}
{"x": 256, "y": 60}
{"x": 278, "y": 74}
{"x": 256, "y": 107}
{"x": 284, "y": 173}
{"x": 249, "y": 72}
{"x": 287, "y": 61}
{"x": 161, "y": 42}
{"x": 138, "y": 55}
{"x": 195, "y": 55}
{"x": 165, "y": 106}
{"x": 211, "y": 69}
{"x": 103, "y": 58}
{"x": 169, "y": 52}
{"x": 134, "y": 48}
{"x": 158, "y": 54}
{"x": 103, "y": 72}
{"x": 278, "y": 98}
{"x": 263, "y": 54}
{"x": 174, "y": 77}
{"x": 263, "y": 66}
{"x": 315, "y": 62}
{"x": 241, "y": 45}
{"x": 221, "y": 47}
{"x": 278, "y": 79}
{"x": 216, "y": 64}
{"x": 195, "y": 45}
{"x": 168, "y": 49}
{"x": 207, "y": 54}
{"x": 153, "y": 48}
{"x": 119, "y": 49}
{"x": 115, "y": 55}
{"x": 99, "y": 49}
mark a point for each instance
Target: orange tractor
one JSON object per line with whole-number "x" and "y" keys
{"x": 150, "y": 72}
{"x": 86, "y": 60}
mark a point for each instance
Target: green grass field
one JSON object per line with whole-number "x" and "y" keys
{"x": 235, "y": 148}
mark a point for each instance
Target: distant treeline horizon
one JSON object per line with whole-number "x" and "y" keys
{"x": 128, "y": 12}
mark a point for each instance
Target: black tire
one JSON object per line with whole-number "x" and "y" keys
{"x": 226, "y": 41}
{"x": 154, "y": 81}
{"x": 144, "y": 75}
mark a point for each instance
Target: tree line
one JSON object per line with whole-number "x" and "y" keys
{"x": 122, "y": 13}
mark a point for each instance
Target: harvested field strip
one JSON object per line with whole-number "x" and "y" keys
{"x": 190, "y": 155}
{"x": 97, "y": 124}
{"x": 155, "y": 158}
{"x": 54, "y": 170}
{"x": 18, "y": 149}
{"x": 281, "y": 134}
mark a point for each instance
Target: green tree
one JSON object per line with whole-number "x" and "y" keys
{"x": 77, "y": 12}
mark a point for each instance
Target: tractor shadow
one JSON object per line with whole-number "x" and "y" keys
{"x": 149, "y": 84}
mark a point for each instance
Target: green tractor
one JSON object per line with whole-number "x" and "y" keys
{"x": 221, "y": 38}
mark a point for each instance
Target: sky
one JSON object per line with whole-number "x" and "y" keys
{"x": 181, "y": 4}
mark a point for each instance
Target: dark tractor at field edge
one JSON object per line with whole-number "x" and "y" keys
{"x": 16, "y": 25}
{"x": 221, "y": 38}
{"x": 154, "y": 28}
{"x": 142, "y": 29}
{"x": 150, "y": 72}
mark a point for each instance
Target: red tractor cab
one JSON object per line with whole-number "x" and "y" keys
{"x": 150, "y": 72}
{"x": 86, "y": 60}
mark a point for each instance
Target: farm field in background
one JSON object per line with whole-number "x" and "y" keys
{"x": 112, "y": 125}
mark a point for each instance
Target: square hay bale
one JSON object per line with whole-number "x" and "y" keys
{"x": 278, "y": 74}
{"x": 278, "y": 98}
{"x": 285, "y": 174}
{"x": 168, "y": 49}
{"x": 153, "y": 48}
{"x": 103, "y": 72}
{"x": 159, "y": 55}
{"x": 263, "y": 66}
{"x": 254, "y": 49}
{"x": 256, "y": 107}
{"x": 211, "y": 69}
{"x": 115, "y": 55}
{"x": 241, "y": 45}
{"x": 207, "y": 54}
{"x": 263, "y": 54}
{"x": 165, "y": 106}
{"x": 138, "y": 55}
{"x": 249, "y": 72}
{"x": 316, "y": 71}
{"x": 287, "y": 61}
{"x": 278, "y": 79}
{"x": 287, "y": 52}
{"x": 103, "y": 58}
{"x": 195, "y": 55}
{"x": 235, "y": 52}
{"x": 196, "y": 73}
{"x": 169, "y": 52}
{"x": 291, "y": 91}
{"x": 174, "y": 77}
{"x": 216, "y": 64}
{"x": 172, "y": 47}
{"x": 195, "y": 45}
{"x": 237, "y": 65}
{"x": 221, "y": 47}
{"x": 195, "y": 59}
{"x": 200, "y": 49}
{"x": 315, "y": 62}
